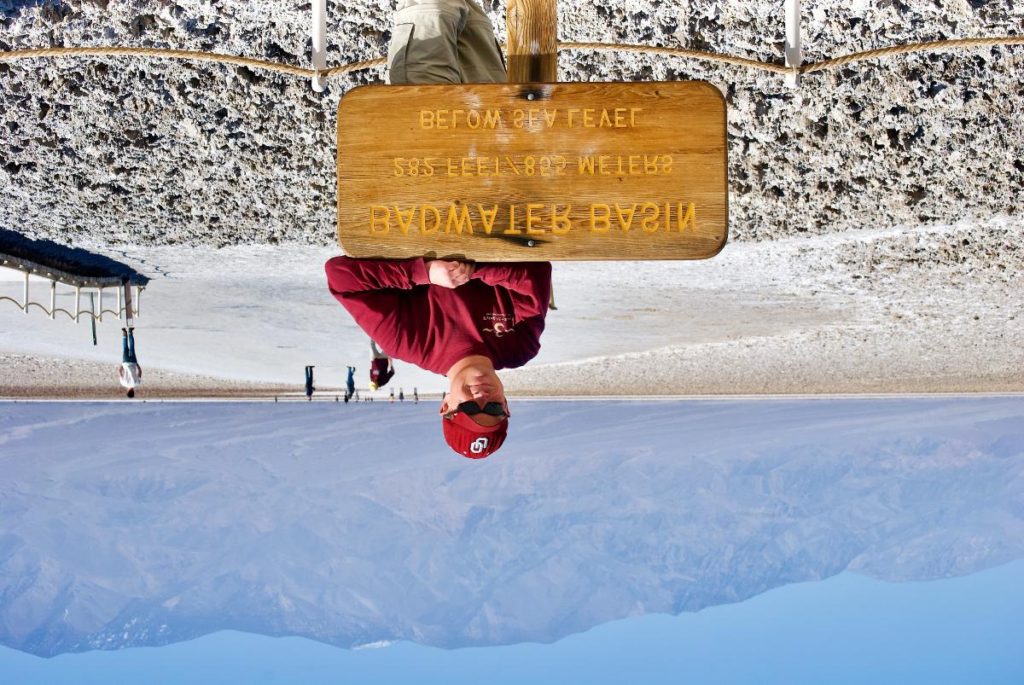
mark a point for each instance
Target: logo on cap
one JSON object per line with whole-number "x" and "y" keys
{"x": 468, "y": 438}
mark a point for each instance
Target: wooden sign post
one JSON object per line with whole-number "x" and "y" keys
{"x": 532, "y": 41}
{"x": 533, "y": 171}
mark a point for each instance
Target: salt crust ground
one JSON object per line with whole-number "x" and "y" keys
{"x": 27, "y": 376}
{"x": 935, "y": 309}
{"x": 117, "y": 155}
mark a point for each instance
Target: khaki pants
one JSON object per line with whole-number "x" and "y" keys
{"x": 443, "y": 41}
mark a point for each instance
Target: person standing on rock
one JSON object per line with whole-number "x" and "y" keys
{"x": 129, "y": 373}
{"x": 443, "y": 41}
{"x": 464, "y": 321}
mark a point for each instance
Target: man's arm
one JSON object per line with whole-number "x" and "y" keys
{"x": 347, "y": 276}
{"x": 528, "y": 282}
{"x": 379, "y": 294}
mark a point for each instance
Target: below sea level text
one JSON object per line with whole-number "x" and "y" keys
{"x": 532, "y": 219}
{"x": 547, "y": 166}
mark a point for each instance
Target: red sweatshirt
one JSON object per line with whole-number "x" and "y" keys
{"x": 499, "y": 314}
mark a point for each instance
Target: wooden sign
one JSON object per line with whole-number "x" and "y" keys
{"x": 533, "y": 172}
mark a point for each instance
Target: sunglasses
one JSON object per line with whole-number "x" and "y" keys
{"x": 472, "y": 409}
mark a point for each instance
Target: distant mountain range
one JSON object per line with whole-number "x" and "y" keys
{"x": 125, "y": 526}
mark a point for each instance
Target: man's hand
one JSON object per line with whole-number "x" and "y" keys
{"x": 449, "y": 274}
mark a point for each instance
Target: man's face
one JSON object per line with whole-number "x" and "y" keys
{"x": 488, "y": 398}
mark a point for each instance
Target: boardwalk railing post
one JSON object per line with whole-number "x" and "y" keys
{"x": 92, "y": 308}
{"x": 532, "y": 41}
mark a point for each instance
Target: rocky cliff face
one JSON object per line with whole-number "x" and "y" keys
{"x": 298, "y": 520}
{"x": 126, "y": 150}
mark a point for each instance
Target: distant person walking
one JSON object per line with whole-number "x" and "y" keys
{"x": 401, "y": 395}
{"x": 415, "y": 396}
{"x": 350, "y": 383}
{"x": 382, "y": 369}
{"x": 309, "y": 384}
{"x": 130, "y": 373}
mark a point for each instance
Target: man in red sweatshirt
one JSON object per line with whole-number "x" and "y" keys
{"x": 463, "y": 321}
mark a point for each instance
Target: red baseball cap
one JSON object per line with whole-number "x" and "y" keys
{"x": 470, "y": 439}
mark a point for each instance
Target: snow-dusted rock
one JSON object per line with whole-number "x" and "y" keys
{"x": 152, "y": 151}
{"x": 301, "y": 520}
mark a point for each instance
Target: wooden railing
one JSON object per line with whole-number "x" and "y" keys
{"x": 96, "y": 288}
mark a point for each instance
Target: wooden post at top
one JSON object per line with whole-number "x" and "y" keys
{"x": 532, "y": 41}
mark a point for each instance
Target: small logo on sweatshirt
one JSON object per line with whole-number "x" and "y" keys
{"x": 501, "y": 325}
{"x": 479, "y": 445}
{"x": 499, "y": 330}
